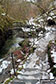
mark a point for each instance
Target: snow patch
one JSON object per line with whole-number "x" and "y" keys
{"x": 49, "y": 18}
{"x": 5, "y": 64}
{"x": 51, "y": 76}
{"x": 53, "y": 55}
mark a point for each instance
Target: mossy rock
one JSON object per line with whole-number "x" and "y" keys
{"x": 53, "y": 70}
{"x": 55, "y": 42}
{"x": 19, "y": 23}
{"x": 32, "y": 50}
{"x": 40, "y": 29}
{"x": 49, "y": 56}
{"x": 24, "y": 43}
{"x": 8, "y": 80}
{"x": 5, "y": 23}
{"x": 51, "y": 63}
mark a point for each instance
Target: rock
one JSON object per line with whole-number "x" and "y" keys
{"x": 19, "y": 54}
{"x": 40, "y": 29}
{"x": 41, "y": 53}
{"x": 51, "y": 22}
{"x": 2, "y": 39}
{"x": 8, "y": 34}
{"x": 38, "y": 62}
{"x": 17, "y": 82}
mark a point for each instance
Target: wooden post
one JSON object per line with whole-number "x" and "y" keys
{"x": 13, "y": 64}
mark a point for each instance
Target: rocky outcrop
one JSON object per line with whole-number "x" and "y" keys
{"x": 51, "y": 22}
{"x": 41, "y": 53}
{"x": 4, "y": 36}
{"x": 8, "y": 34}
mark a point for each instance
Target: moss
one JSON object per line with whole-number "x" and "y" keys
{"x": 19, "y": 23}
{"x": 49, "y": 54}
{"x": 24, "y": 43}
{"x": 50, "y": 59}
{"x": 33, "y": 33}
{"x": 32, "y": 50}
{"x": 8, "y": 80}
{"x": 48, "y": 47}
{"x": 5, "y": 23}
{"x": 6, "y": 47}
{"x": 19, "y": 69}
{"x": 53, "y": 70}
{"x": 55, "y": 41}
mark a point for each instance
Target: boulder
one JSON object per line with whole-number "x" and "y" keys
{"x": 41, "y": 53}
{"x": 50, "y": 22}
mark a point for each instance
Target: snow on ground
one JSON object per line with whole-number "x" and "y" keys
{"x": 54, "y": 17}
{"x": 51, "y": 13}
{"x": 12, "y": 71}
{"x": 31, "y": 0}
{"x": 19, "y": 66}
{"x": 30, "y": 72}
{"x": 27, "y": 29}
{"x": 31, "y": 22}
{"x": 1, "y": 60}
{"x": 53, "y": 55}
{"x": 34, "y": 61}
{"x": 51, "y": 76}
{"x": 40, "y": 33}
{"x": 4, "y": 65}
{"x": 3, "y": 14}
{"x": 49, "y": 18}
{"x": 54, "y": 66}
{"x": 44, "y": 40}
{"x": 41, "y": 20}
{"x": 1, "y": 70}
{"x": 47, "y": 35}
{"x": 19, "y": 60}
{"x": 17, "y": 40}
{"x": 50, "y": 28}
{"x": 27, "y": 77}
{"x": 47, "y": 28}
{"x": 44, "y": 75}
{"x": 33, "y": 40}
{"x": 16, "y": 45}
{"x": 5, "y": 80}
{"x": 31, "y": 61}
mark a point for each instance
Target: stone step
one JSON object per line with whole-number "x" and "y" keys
{"x": 52, "y": 81}
{"x": 30, "y": 76}
{"x": 33, "y": 69}
{"x": 37, "y": 76}
{"x": 17, "y": 82}
{"x": 33, "y": 81}
{"x": 27, "y": 80}
{"x": 30, "y": 69}
{"x": 33, "y": 74}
